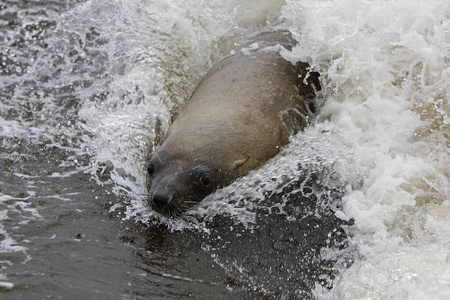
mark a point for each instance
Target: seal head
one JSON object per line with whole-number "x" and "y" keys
{"x": 178, "y": 184}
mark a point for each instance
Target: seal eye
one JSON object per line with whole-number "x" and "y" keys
{"x": 205, "y": 179}
{"x": 150, "y": 169}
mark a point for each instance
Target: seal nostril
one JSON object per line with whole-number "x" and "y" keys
{"x": 160, "y": 201}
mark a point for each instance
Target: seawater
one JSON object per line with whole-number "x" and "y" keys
{"x": 89, "y": 88}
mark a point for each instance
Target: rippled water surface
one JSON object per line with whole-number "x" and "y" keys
{"x": 356, "y": 206}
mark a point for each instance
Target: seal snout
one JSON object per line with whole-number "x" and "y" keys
{"x": 160, "y": 200}
{"x": 164, "y": 193}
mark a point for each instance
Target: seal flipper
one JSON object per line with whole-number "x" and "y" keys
{"x": 238, "y": 163}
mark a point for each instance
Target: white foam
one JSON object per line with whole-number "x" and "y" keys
{"x": 385, "y": 68}
{"x": 8, "y": 244}
{"x": 6, "y": 285}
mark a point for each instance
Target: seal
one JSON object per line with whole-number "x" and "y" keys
{"x": 239, "y": 116}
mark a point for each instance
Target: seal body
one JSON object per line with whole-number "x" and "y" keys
{"x": 239, "y": 116}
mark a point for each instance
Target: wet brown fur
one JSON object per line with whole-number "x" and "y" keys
{"x": 239, "y": 116}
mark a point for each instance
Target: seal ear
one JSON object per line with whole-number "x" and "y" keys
{"x": 238, "y": 163}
